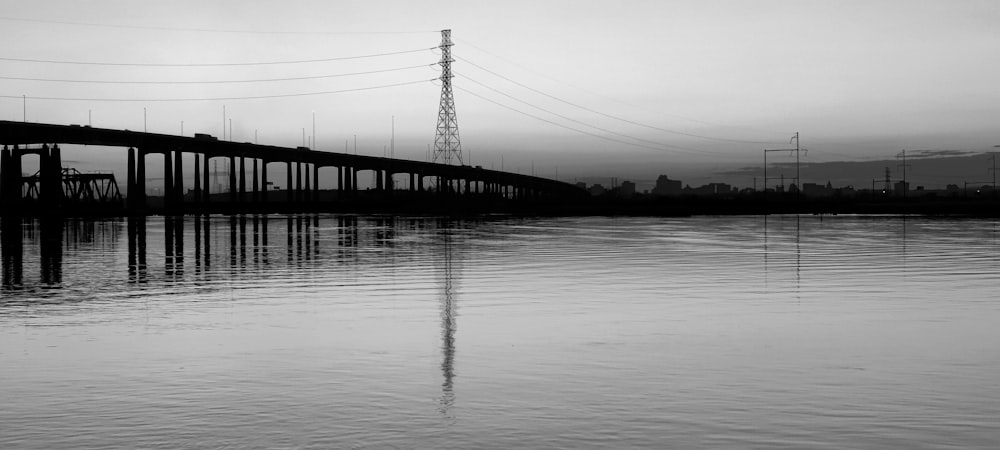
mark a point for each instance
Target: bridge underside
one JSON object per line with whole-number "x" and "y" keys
{"x": 250, "y": 182}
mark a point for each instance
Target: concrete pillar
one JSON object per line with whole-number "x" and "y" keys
{"x": 255, "y": 184}
{"x": 289, "y": 189}
{"x": 168, "y": 179}
{"x": 243, "y": 179}
{"x": 263, "y": 180}
{"x": 206, "y": 194}
{"x": 298, "y": 181}
{"x": 315, "y": 189}
{"x": 340, "y": 180}
{"x": 420, "y": 183}
{"x": 56, "y": 161}
{"x": 306, "y": 190}
{"x": 197, "y": 179}
{"x": 140, "y": 179}
{"x": 179, "y": 178}
{"x": 4, "y": 176}
{"x": 44, "y": 172}
{"x": 379, "y": 186}
{"x": 130, "y": 185}
{"x": 232, "y": 180}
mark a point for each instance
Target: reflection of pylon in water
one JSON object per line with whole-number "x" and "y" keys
{"x": 446, "y": 142}
{"x": 448, "y": 326}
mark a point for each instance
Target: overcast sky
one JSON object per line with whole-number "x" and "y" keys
{"x": 658, "y": 86}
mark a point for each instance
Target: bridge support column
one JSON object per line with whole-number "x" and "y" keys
{"x": 315, "y": 189}
{"x": 243, "y": 179}
{"x": 232, "y": 180}
{"x": 17, "y": 181}
{"x": 179, "y": 179}
{"x": 289, "y": 188}
{"x": 168, "y": 180}
{"x": 306, "y": 187}
{"x": 206, "y": 194}
{"x": 140, "y": 179}
{"x": 4, "y": 175}
{"x": 55, "y": 158}
{"x": 420, "y": 183}
{"x": 298, "y": 181}
{"x": 196, "y": 197}
{"x": 263, "y": 181}
{"x": 130, "y": 184}
{"x": 255, "y": 185}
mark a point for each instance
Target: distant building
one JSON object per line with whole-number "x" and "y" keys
{"x": 627, "y": 189}
{"x": 817, "y": 190}
{"x": 711, "y": 189}
{"x": 901, "y": 188}
{"x": 597, "y": 190}
{"x": 666, "y": 186}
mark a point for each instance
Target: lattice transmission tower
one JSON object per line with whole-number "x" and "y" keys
{"x": 446, "y": 142}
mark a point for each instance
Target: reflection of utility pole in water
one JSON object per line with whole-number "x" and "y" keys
{"x": 448, "y": 324}
{"x": 765, "y": 253}
{"x": 798, "y": 260}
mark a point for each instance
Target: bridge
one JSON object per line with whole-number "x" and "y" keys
{"x": 248, "y": 175}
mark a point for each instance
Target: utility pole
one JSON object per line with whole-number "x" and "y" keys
{"x": 902, "y": 154}
{"x": 993, "y": 157}
{"x": 797, "y": 150}
{"x": 798, "y": 182}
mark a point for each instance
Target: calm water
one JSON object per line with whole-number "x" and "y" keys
{"x": 327, "y": 331}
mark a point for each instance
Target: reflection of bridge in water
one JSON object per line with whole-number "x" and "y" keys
{"x": 394, "y": 180}
{"x": 202, "y": 250}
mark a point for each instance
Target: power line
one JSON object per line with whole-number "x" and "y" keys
{"x": 565, "y": 117}
{"x": 211, "y": 30}
{"x": 316, "y": 77}
{"x": 705, "y": 122}
{"x": 683, "y": 149}
{"x": 257, "y": 97}
{"x": 264, "y": 63}
{"x": 739, "y": 141}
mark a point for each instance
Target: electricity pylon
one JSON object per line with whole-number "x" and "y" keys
{"x": 446, "y": 142}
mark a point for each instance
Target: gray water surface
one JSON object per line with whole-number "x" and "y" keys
{"x": 373, "y": 332}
